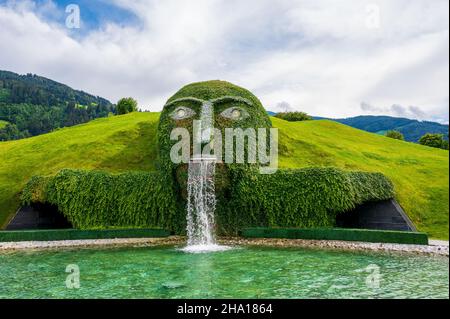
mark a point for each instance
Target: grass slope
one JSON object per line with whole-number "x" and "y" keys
{"x": 115, "y": 144}
{"x": 420, "y": 174}
{"x": 128, "y": 142}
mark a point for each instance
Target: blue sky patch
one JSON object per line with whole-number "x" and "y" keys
{"x": 93, "y": 13}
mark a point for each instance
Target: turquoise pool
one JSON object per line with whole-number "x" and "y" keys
{"x": 261, "y": 272}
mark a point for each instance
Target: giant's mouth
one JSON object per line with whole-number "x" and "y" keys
{"x": 222, "y": 180}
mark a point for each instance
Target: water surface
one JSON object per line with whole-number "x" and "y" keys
{"x": 262, "y": 272}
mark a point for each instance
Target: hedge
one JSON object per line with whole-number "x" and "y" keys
{"x": 304, "y": 198}
{"x": 310, "y": 197}
{"x": 72, "y": 234}
{"x": 293, "y": 116}
{"x": 364, "y": 235}
{"x": 95, "y": 199}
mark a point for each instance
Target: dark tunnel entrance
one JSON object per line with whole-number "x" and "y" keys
{"x": 38, "y": 216}
{"x": 382, "y": 215}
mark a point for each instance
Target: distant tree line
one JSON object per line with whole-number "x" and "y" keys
{"x": 34, "y": 105}
{"x": 429, "y": 139}
{"x": 434, "y": 140}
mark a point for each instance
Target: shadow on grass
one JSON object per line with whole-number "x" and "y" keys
{"x": 139, "y": 150}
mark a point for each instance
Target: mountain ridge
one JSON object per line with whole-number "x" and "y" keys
{"x": 33, "y": 105}
{"x": 411, "y": 129}
{"x": 41, "y": 81}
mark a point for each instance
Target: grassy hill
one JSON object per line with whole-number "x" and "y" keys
{"x": 128, "y": 142}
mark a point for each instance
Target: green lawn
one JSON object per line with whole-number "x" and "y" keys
{"x": 128, "y": 142}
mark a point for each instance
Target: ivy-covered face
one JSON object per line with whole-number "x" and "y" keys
{"x": 214, "y": 105}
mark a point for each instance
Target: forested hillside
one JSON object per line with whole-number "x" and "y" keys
{"x": 31, "y": 105}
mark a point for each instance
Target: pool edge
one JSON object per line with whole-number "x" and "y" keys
{"x": 441, "y": 250}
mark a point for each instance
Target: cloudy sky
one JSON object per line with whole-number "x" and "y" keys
{"x": 328, "y": 57}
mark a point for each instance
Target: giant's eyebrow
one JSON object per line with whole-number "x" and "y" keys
{"x": 217, "y": 100}
{"x": 233, "y": 99}
{"x": 185, "y": 99}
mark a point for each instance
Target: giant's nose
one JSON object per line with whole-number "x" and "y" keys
{"x": 206, "y": 120}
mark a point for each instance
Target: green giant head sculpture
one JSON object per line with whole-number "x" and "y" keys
{"x": 215, "y": 105}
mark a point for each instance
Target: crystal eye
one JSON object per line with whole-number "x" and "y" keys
{"x": 182, "y": 112}
{"x": 235, "y": 113}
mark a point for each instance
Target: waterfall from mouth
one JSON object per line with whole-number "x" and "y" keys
{"x": 201, "y": 202}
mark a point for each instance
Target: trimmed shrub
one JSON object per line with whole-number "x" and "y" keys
{"x": 365, "y": 235}
{"x": 126, "y": 105}
{"x": 73, "y": 234}
{"x": 293, "y": 116}
{"x": 395, "y": 135}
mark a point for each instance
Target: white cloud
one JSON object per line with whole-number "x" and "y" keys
{"x": 316, "y": 56}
